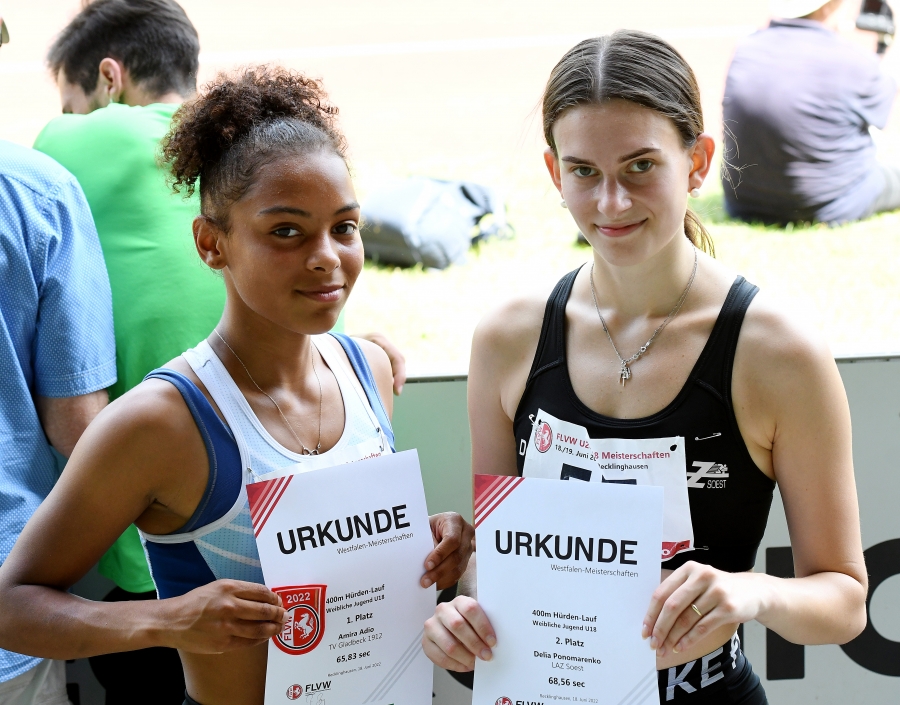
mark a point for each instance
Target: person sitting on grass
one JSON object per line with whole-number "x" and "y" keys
{"x": 798, "y": 105}
{"x": 266, "y": 389}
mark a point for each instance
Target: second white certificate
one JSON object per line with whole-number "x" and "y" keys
{"x": 565, "y": 573}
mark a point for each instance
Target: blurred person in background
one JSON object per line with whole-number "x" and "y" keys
{"x": 123, "y": 68}
{"x": 57, "y": 358}
{"x": 799, "y": 101}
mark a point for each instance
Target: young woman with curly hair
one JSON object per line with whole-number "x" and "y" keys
{"x": 267, "y": 389}
{"x": 653, "y": 339}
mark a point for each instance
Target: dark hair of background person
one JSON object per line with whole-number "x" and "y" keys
{"x": 154, "y": 40}
{"x": 637, "y": 67}
{"x": 241, "y": 122}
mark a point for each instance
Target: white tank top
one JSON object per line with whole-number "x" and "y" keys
{"x": 226, "y": 544}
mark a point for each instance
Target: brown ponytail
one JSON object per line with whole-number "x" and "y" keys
{"x": 697, "y": 233}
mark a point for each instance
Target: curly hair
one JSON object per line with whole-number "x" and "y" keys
{"x": 239, "y": 123}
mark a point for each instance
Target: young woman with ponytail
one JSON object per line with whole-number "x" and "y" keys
{"x": 746, "y": 387}
{"x": 267, "y": 388}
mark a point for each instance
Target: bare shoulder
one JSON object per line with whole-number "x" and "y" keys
{"x": 150, "y": 421}
{"x": 503, "y": 348}
{"x": 511, "y": 330}
{"x": 774, "y": 344}
{"x": 784, "y": 373}
{"x": 378, "y": 361}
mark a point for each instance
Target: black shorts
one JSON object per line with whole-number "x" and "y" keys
{"x": 722, "y": 677}
{"x": 157, "y": 669}
{"x": 188, "y": 700}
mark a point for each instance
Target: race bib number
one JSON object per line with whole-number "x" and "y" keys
{"x": 561, "y": 450}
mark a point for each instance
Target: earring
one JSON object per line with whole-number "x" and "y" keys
{"x": 563, "y": 204}
{"x": 695, "y": 193}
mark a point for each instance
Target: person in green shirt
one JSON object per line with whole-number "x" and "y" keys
{"x": 161, "y": 299}
{"x": 123, "y": 68}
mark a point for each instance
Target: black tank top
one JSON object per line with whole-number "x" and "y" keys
{"x": 729, "y": 496}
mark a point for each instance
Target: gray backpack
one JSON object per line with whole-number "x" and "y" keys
{"x": 430, "y": 222}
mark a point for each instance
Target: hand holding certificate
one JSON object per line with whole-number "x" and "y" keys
{"x": 344, "y": 547}
{"x": 565, "y": 573}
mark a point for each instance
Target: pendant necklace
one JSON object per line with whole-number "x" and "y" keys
{"x": 305, "y": 451}
{"x": 625, "y": 372}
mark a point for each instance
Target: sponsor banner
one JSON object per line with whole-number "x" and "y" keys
{"x": 565, "y": 575}
{"x": 344, "y": 547}
{"x": 561, "y": 450}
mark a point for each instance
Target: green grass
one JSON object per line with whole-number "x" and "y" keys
{"x": 842, "y": 281}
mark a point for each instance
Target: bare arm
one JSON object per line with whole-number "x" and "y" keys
{"x": 503, "y": 347}
{"x": 793, "y": 413}
{"x": 64, "y": 419}
{"x": 798, "y": 389}
{"x": 381, "y": 369}
{"x": 143, "y": 461}
{"x": 467, "y": 584}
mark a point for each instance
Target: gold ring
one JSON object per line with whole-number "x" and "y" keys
{"x": 697, "y": 610}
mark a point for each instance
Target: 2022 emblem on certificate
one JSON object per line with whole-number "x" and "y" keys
{"x": 305, "y": 604}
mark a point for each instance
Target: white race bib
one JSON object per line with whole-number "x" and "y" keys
{"x": 561, "y": 450}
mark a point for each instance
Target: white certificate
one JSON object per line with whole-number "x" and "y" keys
{"x": 565, "y": 574}
{"x": 344, "y": 547}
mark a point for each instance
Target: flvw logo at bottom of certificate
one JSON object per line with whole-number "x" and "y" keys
{"x": 295, "y": 692}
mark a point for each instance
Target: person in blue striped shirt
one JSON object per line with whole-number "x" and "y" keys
{"x": 57, "y": 357}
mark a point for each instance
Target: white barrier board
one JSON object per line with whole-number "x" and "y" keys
{"x": 826, "y": 675}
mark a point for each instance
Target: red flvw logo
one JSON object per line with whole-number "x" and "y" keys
{"x": 503, "y": 701}
{"x": 295, "y": 692}
{"x": 305, "y": 605}
{"x": 543, "y": 437}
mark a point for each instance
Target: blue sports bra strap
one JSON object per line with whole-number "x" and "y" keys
{"x": 364, "y": 374}
{"x": 214, "y": 433}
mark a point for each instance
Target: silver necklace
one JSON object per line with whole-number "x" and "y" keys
{"x": 625, "y": 371}
{"x": 306, "y": 451}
